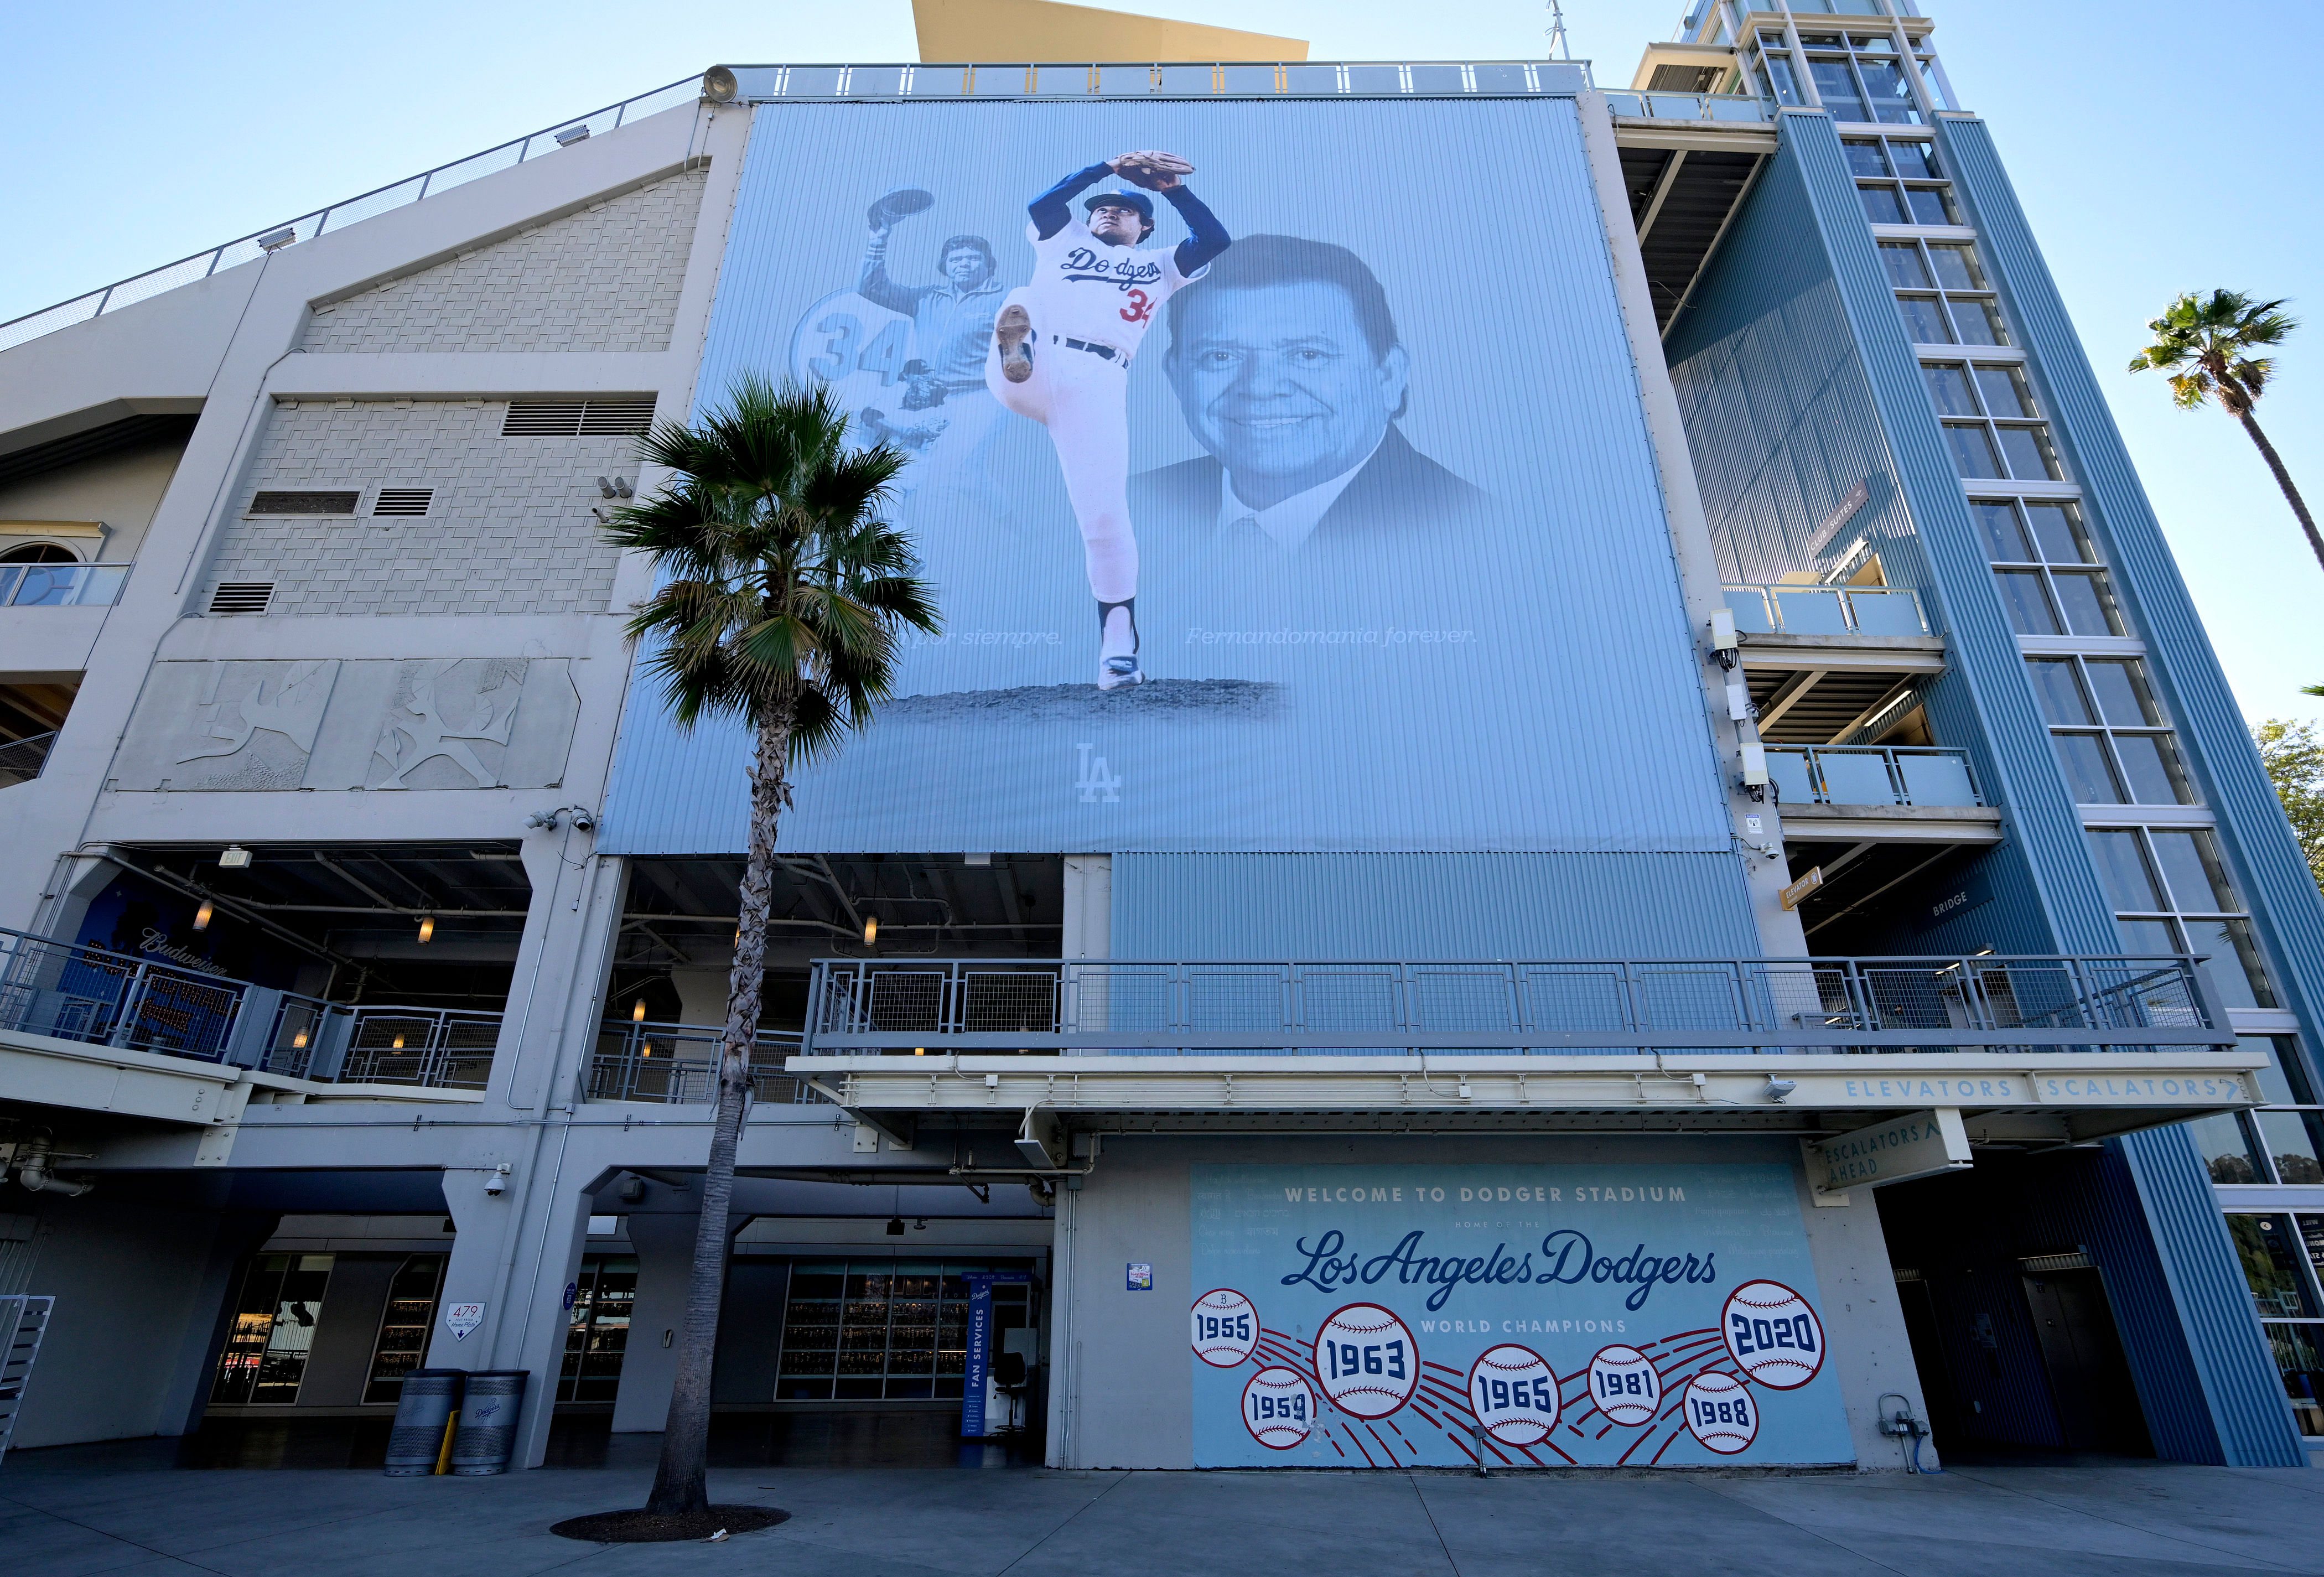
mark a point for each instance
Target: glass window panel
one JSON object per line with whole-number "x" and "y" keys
{"x": 1915, "y": 157}
{"x": 2283, "y": 1082}
{"x": 2311, "y": 1233}
{"x": 1978, "y": 321}
{"x": 1881, "y": 205}
{"x": 1902, "y": 259}
{"x": 1931, "y": 86}
{"x": 2236, "y": 968}
{"x": 1866, "y": 156}
{"x": 2032, "y": 457}
{"x": 2005, "y": 392}
{"x": 2059, "y": 534}
{"x": 1835, "y": 83}
{"x": 2062, "y": 697}
{"x": 2190, "y": 868}
{"x": 2143, "y": 937}
{"x": 2123, "y": 699}
{"x": 1956, "y": 265}
{"x": 1891, "y": 98}
{"x": 1822, "y": 41}
{"x": 1931, "y": 205}
{"x": 2270, "y": 1249}
{"x": 2151, "y": 766}
{"x": 1872, "y": 44}
{"x": 2288, "y": 1137}
{"x": 2297, "y": 1359}
{"x": 2088, "y": 607}
{"x": 1972, "y": 451}
{"x": 1924, "y": 320}
{"x": 2005, "y": 538}
{"x": 2089, "y": 778}
{"x": 2122, "y": 868}
{"x": 1948, "y": 384}
{"x": 2227, "y": 1154}
{"x": 1779, "y": 75}
{"x": 2028, "y": 605}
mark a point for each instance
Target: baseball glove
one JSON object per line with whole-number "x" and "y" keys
{"x": 1151, "y": 168}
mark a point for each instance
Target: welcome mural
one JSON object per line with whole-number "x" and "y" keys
{"x": 1617, "y": 1315}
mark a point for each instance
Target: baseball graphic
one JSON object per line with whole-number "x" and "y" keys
{"x": 1774, "y": 1335}
{"x": 1367, "y": 1360}
{"x": 1226, "y": 1328}
{"x": 1513, "y": 1392}
{"x": 1720, "y": 1412}
{"x": 1626, "y": 1384}
{"x": 1277, "y": 1407}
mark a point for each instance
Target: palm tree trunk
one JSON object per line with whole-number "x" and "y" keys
{"x": 679, "y": 1482}
{"x": 2283, "y": 480}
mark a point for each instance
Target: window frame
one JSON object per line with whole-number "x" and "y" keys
{"x": 2077, "y": 668}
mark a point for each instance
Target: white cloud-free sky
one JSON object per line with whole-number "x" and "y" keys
{"x": 2155, "y": 148}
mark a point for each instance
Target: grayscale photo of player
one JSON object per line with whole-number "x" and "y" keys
{"x": 1061, "y": 346}
{"x": 1289, "y": 370}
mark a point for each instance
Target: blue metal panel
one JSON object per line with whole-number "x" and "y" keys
{"x": 2239, "y": 1377}
{"x": 1569, "y": 714}
{"x": 1430, "y": 906}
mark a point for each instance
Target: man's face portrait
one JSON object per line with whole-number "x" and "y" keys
{"x": 965, "y": 267}
{"x": 1280, "y": 383}
{"x": 1117, "y": 225}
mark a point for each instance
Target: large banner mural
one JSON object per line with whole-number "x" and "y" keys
{"x": 1280, "y": 469}
{"x": 1613, "y": 1315}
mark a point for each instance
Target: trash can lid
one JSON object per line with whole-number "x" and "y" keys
{"x": 435, "y": 1373}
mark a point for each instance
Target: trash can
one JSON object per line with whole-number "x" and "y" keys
{"x": 430, "y": 1397}
{"x": 486, "y": 1436}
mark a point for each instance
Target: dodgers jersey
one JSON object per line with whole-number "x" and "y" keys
{"x": 1085, "y": 288}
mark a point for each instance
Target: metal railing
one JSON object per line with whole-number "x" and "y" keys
{"x": 98, "y": 997}
{"x": 1827, "y": 610}
{"x": 675, "y": 1063}
{"x": 61, "y": 585}
{"x": 859, "y": 1006}
{"x": 1871, "y": 774}
{"x": 21, "y": 760}
{"x": 1150, "y": 79}
{"x": 427, "y": 183}
{"x": 1687, "y": 107}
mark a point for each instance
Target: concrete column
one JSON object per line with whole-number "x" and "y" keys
{"x": 664, "y": 1245}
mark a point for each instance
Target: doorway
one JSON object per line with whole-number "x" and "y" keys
{"x": 2090, "y": 1376}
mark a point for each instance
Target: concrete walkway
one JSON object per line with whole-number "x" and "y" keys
{"x": 81, "y": 1511}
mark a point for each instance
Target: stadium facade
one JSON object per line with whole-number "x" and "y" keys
{"x": 1645, "y": 909}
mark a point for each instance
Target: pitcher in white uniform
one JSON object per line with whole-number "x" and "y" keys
{"x": 1061, "y": 351}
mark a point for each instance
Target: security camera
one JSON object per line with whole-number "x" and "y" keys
{"x": 1778, "y": 1089}
{"x": 542, "y": 821}
{"x": 583, "y": 821}
{"x": 497, "y": 1178}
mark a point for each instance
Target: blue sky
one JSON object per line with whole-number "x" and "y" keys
{"x": 2145, "y": 142}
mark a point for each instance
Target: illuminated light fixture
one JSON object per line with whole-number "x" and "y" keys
{"x": 428, "y": 928}
{"x": 202, "y": 917}
{"x": 399, "y": 1044}
{"x": 919, "y": 1051}
{"x": 870, "y": 930}
{"x": 298, "y": 1041}
{"x": 234, "y": 857}
{"x": 648, "y": 1049}
{"x": 638, "y": 1013}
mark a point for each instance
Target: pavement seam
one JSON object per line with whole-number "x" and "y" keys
{"x": 117, "y": 1538}
{"x": 2132, "y": 1527}
{"x": 1429, "y": 1512}
{"x": 1121, "y": 1478}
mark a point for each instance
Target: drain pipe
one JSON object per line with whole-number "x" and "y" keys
{"x": 33, "y": 1171}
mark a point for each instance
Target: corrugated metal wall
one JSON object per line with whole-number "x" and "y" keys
{"x": 1431, "y": 906}
{"x": 1569, "y": 717}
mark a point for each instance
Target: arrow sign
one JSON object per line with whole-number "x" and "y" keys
{"x": 462, "y": 1318}
{"x": 1919, "y": 1144}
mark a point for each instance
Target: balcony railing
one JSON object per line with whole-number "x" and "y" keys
{"x": 1871, "y": 775}
{"x": 61, "y": 585}
{"x": 1152, "y": 79}
{"x": 20, "y": 759}
{"x": 1990, "y": 1003}
{"x": 1827, "y": 610}
{"x": 1686, "y": 106}
{"x": 676, "y": 1064}
{"x": 97, "y": 997}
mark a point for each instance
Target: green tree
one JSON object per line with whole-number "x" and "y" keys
{"x": 782, "y": 599}
{"x": 2204, "y": 344}
{"x": 2294, "y": 759}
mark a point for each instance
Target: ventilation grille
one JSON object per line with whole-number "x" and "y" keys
{"x": 402, "y": 501}
{"x": 2037, "y": 1264}
{"x": 304, "y": 503}
{"x": 583, "y": 419}
{"x": 248, "y": 596}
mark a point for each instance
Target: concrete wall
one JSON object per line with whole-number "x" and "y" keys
{"x": 1121, "y": 1394}
{"x": 508, "y": 531}
{"x": 606, "y": 278}
{"x": 119, "y": 491}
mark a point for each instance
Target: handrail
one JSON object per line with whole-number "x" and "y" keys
{"x": 244, "y": 249}
{"x": 1784, "y": 609}
{"x": 1991, "y": 1003}
{"x": 674, "y": 1064}
{"x": 1842, "y": 774}
{"x": 1054, "y": 79}
{"x": 1644, "y": 105}
{"x": 24, "y": 760}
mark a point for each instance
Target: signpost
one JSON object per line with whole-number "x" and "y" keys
{"x": 1797, "y": 892}
{"x": 1919, "y": 1144}
{"x": 976, "y": 1400}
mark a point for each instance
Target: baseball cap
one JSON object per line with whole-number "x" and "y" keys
{"x": 1122, "y": 200}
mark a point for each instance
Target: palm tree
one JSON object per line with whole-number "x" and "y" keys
{"x": 782, "y": 598}
{"x": 2205, "y": 345}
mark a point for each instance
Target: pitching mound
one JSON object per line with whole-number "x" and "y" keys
{"x": 646, "y": 1527}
